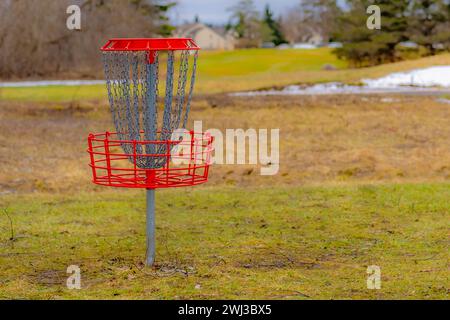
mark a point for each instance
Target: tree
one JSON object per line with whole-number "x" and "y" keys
{"x": 162, "y": 8}
{"x": 41, "y": 45}
{"x": 246, "y": 23}
{"x": 363, "y": 46}
{"x": 309, "y": 19}
{"x": 274, "y": 30}
{"x": 428, "y": 24}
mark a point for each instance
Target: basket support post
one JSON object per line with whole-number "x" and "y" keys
{"x": 150, "y": 229}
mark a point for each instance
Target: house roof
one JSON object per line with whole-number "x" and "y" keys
{"x": 190, "y": 29}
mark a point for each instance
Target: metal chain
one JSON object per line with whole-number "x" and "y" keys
{"x": 182, "y": 75}
{"x": 191, "y": 89}
{"x": 132, "y": 84}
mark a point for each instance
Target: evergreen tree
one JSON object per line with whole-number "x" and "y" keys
{"x": 156, "y": 10}
{"x": 274, "y": 30}
{"x": 428, "y": 24}
{"x": 162, "y": 8}
{"x": 240, "y": 25}
{"x": 247, "y": 24}
{"x": 363, "y": 46}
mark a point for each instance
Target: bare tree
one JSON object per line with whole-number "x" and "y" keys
{"x": 310, "y": 18}
{"x": 34, "y": 39}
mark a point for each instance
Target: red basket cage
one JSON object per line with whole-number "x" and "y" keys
{"x": 184, "y": 163}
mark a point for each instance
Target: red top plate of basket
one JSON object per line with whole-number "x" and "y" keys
{"x": 150, "y": 44}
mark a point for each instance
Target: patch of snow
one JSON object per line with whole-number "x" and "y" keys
{"x": 335, "y": 88}
{"x": 408, "y": 44}
{"x": 283, "y": 46}
{"x": 303, "y": 46}
{"x": 443, "y": 100}
{"x": 50, "y": 83}
{"x": 334, "y": 45}
{"x": 429, "y": 77}
{"x": 420, "y": 81}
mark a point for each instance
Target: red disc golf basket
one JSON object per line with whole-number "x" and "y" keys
{"x": 150, "y": 148}
{"x": 186, "y": 162}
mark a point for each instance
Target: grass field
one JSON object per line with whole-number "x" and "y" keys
{"x": 284, "y": 243}
{"x": 363, "y": 180}
{"x": 242, "y": 70}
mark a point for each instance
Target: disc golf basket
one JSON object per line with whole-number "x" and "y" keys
{"x": 143, "y": 151}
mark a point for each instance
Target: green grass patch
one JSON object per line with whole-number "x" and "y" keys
{"x": 278, "y": 243}
{"x": 54, "y": 93}
{"x": 250, "y": 61}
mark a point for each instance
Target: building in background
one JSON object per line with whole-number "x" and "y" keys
{"x": 209, "y": 38}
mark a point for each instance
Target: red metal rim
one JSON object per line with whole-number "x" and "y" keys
{"x": 181, "y": 163}
{"x": 150, "y": 44}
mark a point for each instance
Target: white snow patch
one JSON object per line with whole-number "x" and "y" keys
{"x": 429, "y": 80}
{"x": 429, "y": 77}
{"x": 335, "y": 88}
{"x": 443, "y": 100}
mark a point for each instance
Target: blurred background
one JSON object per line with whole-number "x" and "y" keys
{"x": 410, "y": 29}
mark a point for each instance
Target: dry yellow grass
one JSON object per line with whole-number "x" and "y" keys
{"x": 322, "y": 140}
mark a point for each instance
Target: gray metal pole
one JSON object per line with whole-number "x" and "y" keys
{"x": 150, "y": 255}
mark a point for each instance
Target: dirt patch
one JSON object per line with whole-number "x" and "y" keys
{"x": 266, "y": 259}
{"x": 50, "y": 278}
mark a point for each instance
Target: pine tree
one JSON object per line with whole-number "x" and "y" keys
{"x": 363, "y": 46}
{"x": 428, "y": 24}
{"x": 274, "y": 30}
{"x": 246, "y": 23}
{"x": 162, "y": 9}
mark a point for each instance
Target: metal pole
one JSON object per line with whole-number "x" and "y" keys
{"x": 150, "y": 255}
